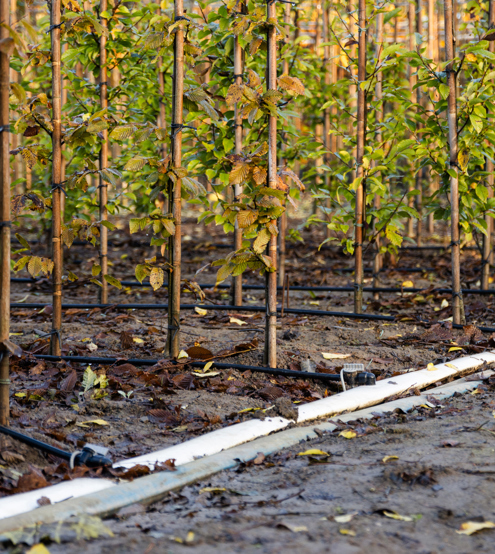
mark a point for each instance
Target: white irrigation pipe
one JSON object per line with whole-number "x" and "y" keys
{"x": 362, "y": 397}
{"x": 153, "y": 487}
{"x": 209, "y": 444}
{"x": 16, "y": 504}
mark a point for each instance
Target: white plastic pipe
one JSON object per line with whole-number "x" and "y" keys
{"x": 25, "y": 502}
{"x": 362, "y": 397}
{"x": 209, "y": 444}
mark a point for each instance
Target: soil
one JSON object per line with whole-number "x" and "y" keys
{"x": 142, "y": 408}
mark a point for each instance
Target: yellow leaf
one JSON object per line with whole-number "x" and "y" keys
{"x": 182, "y": 354}
{"x": 315, "y": 303}
{"x": 395, "y": 515}
{"x": 444, "y": 304}
{"x": 408, "y": 284}
{"x": 238, "y": 321}
{"x": 200, "y": 311}
{"x": 20, "y": 394}
{"x": 38, "y": 549}
{"x": 349, "y": 434}
{"x": 471, "y": 527}
{"x": 313, "y": 452}
{"x": 347, "y": 532}
{"x": 331, "y": 356}
{"x": 389, "y": 459}
{"x": 95, "y": 421}
{"x": 452, "y": 366}
{"x": 471, "y": 57}
{"x": 431, "y": 367}
{"x": 207, "y": 366}
{"x": 344, "y": 518}
{"x": 209, "y": 374}
{"x": 137, "y": 340}
{"x": 454, "y": 348}
{"x": 212, "y": 489}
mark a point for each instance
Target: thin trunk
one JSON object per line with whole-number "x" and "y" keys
{"x": 361, "y": 132}
{"x": 419, "y": 174}
{"x": 378, "y": 140}
{"x": 4, "y": 218}
{"x": 487, "y": 258}
{"x": 271, "y": 277}
{"x": 57, "y": 186}
{"x": 174, "y": 192}
{"x": 327, "y": 79}
{"x": 283, "y": 217}
{"x": 238, "y": 70}
{"x": 457, "y": 304}
{"x": 410, "y": 200}
{"x": 103, "y": 185}
{"x": 431, "y": 55}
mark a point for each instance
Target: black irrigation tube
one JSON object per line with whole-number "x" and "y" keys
{"x": 219, "y": 365}
{"x": 164, "y": 307}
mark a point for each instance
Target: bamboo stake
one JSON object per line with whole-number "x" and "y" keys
{"x": 361, "y": 137}
{"x": 174, "y": 192}
{"x": 238, "y": 70}
{"x": 419, "y": 174}
{"x": 270, "y": 354}
{"x": 4, "y": 217}
{"x": 431, "y": 56}
{"x": 378, "y": 139}
{"x": 410, "y": 201}
{"x": 457, "y": 303}
{"x": 57, "y": 186}
{"x": 487, "y": 257}
{"x": 283, "y": 217}
{"x": 103, "y": 186}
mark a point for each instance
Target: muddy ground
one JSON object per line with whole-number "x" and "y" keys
{"x": 141, "y": 408}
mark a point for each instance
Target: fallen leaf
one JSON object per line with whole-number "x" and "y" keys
{"x": 292, "y": 527}
{"x": 260, "y": 458}
{"x": 200, "y": 311}
{"x": 395, "y": 515}
{"x": 92, "y": 347}
{"x": 347, "y": 532}
{"x": 214, "y": 490}
{"x": 471, "y": 527}
{"x": 182, "y": 354}
{"x": 331, "y": 356}
{"x": 349, "y": 434}
{"x": 238, "y": 321}
{"x": 408, "y": 284}
{"x": 444, "y": 304}
{"x": 344, "y": 518}
{"x": 431, "y": 367}
{"x": 203, "y": 375}
{"x": 207, "y": 366}
{"x": 452, "y": 366}
{"x": 39, "y": 548}
{"x": 454, "y": 348}
{"x": 450, "y": 443}
{"x": 137, "y": 340}
{"x": 313, "y": 452}
{"x": 389, "y": 459}
{"x": 95, "y": 421}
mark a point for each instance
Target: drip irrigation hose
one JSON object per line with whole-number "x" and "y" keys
{"x": 363, "y": 378}
{"x": 90, "y": 455}
{"x": 213, "y": 307}
{"x": 323, "y": 288}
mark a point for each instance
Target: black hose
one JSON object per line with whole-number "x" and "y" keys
{"x": 164, "y": 307}
{"x": 219, "y": 365}
{"x": 86, "y": 456}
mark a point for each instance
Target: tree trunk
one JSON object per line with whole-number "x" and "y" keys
{"x": 457, "y": 304}
{"x": 4, "y": 218}
{"x": 57, "y": 187}
{"x": 361, "y": 137}
{"x": 270, "y": 354}
{"x": 103, "y": 186}
{"x": 174, "y": 192}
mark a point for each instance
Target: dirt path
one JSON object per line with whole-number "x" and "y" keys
{"x": 443, "y": 477}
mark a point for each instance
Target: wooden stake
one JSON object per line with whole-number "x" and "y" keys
{"x": 410, "y": 200}
{"x": 174, "y": 192}
{"x": 4, "y": 217}
{"x": 420, "y": 173}
{"x": 361, "y": 137}
{"x": 378, "y": 140}
{"x": 271, "y": 277}
{"x": 327, "y": 79}
{"x": 283, "y": 218}
{"x": 457, "y": 303}
{"x": 103, "y": 186}
{"x": 431, "y": 55}
{"x": 238, "y": 70}
{"x": 487, "y": 257}
{"x": 57, "y": 186}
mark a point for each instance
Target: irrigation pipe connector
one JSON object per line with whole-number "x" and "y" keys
{"x": 363, "y": 378}
{"x": 91, "y": 455}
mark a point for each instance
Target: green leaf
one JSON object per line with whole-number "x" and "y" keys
{"x": 444, "y": 91}
{"x": 112, "y": 281}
